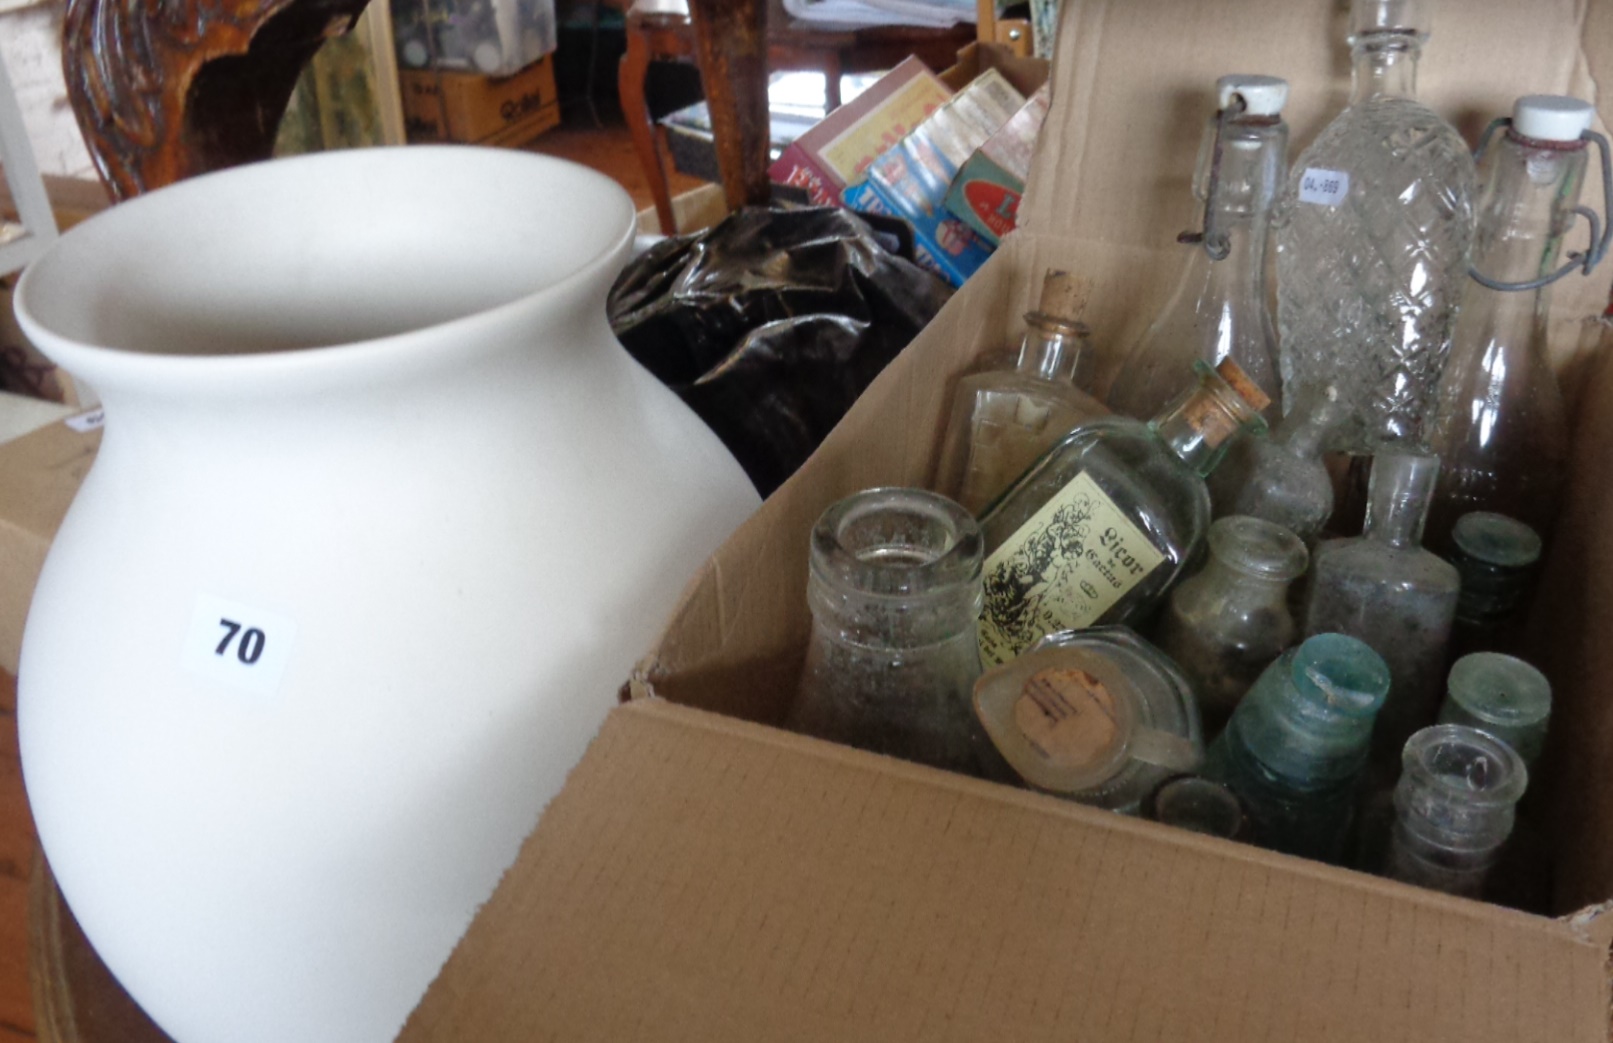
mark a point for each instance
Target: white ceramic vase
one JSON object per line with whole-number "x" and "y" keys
{"x": 382, "y": 517}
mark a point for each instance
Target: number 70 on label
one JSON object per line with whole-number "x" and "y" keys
{"x": 243, "y": 646}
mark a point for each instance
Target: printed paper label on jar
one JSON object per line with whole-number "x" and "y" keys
{"x": 1327, "y": 187}
{"x": 1062, "y": 570}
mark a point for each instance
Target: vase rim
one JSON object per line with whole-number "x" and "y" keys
{"x": 311, "y": 261}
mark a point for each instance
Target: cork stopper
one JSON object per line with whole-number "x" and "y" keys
{"x": 1247, "y": 389}
{"x": 1064, "y": 298}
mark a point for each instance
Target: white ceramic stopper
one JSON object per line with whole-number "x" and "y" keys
{"x": 1264, "y": 95}
{"x": 1551, "y": 117}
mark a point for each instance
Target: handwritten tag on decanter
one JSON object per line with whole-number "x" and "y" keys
{"x": 1061, "y": 570}
{"x": 1067, "y": 716}
{"x": 243, "y": 646}
{"x": 1327, "y": 187}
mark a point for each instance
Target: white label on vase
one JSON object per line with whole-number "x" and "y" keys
{"x": 238, "y": 645}
{"x": 1327, "y": 187}
{"x": 84, "y": 423}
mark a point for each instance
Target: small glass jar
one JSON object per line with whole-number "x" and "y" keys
{"x": 1097, "y": 715}
{"x": 1503, "y": 696}
{"x": 1454, "y": 808}
{"x": 1296, "y": 745}
{"x": 1196, "y": 804}
{"x": 1496, "y": 558}
{"x": 894, "y": 589}
{"x": 1226, "y": 623}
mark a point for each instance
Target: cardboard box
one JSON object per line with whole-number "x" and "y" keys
{"x": 481, "y": 110}
{"x": 707, "y": 876}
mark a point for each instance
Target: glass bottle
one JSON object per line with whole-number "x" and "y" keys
{"x": 1295, "y": 746}
{"x": 1226, "y": 623}
{"x": 1103, "y": 524}
{"x": 1196, "y": 804}
{"x": 1097, "y": 715}
{"x": 1453, "y": 808}
{"x": 1496, "y": 558}
{"x": 1218, "y": 309}
{"x": 1002, "y": 420}
{"x": 894, "y": 588}
{"x": 1502, "y": 427}
{"x": 1378, "y": 331}
{"x": 1503, "y": 696}
{"x": 1283, "y": 478}
{"x": 1385, "y": 589}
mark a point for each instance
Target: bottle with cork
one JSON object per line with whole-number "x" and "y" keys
{"x": 1102, "y": 525}
{"x": 1002, "y": 420}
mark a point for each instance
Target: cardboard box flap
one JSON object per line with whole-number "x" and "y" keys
{"x": 1133, "y": 84}
{"x": 708, "y": 880}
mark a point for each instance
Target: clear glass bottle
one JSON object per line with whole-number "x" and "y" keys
{"x": 1196, "y": 804}
{"x": 1218, "y": 309}
{"x": 1496, "y": 558}
{"x": 894, "y": 588}
{"x": 1453, "y": 808}
{"x": 1385, "y": 589}
{"x": 1502, "y": 695}
{"x": 1002, "y": 420}
{"x": 1283, "y": 478}
{"x": 1103, "y": 524}
{"x": 1097, "y": 715}
{"x": 1226, "y": 623}
{"x": 1388, "y": 180}
{"x": 1296, "y": 744}
{"x": 1502, "y": 427}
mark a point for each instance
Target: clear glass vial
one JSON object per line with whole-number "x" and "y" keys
{"x": 1283, "y": 478}
{"x": 1218, "y": 309}
{"x": 1296, "y": 745}
{"x": 1385, "y": 589}
{"x": 1454, "y": 808}
{"x": 1098, "y": 715}
{"x": 1496, "y": 557}
{"x": 894, "y": 588}
{"x": 1503, "y": 696}
{"x": 1226, "y": 623}
{"x": 1102, "y": 526}
{"x": 1002, "y": 420}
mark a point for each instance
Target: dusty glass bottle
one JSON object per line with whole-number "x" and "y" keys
{"x": 1385, "y": 589}
{"x": 1218, "y": 309}
{"x": 1002, "y": 420}
{"x": 1496, "y": 558}
{"x": 1196, "y": 804}
{"x": 1226, "y": 623}
{"x": 1283, "y": 478}
{"x": 1389, "y": 180}
{"x": 1096, "y": 715}
{"x": 1103, "y": 524}
{"x": 1297, "y": 742}
{"x": 1502, "y": 695}
{"x": 1454, "y": 808}
{"x": 894, "y": 588}
{"x": 1502, "y": 428}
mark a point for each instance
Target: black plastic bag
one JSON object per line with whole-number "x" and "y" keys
{"x": 771, "y": 324}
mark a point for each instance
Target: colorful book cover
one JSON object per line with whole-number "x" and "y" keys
{"x": 986, "y": 192}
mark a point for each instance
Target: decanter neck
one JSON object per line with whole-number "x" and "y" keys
{"x": 1051, "y": 351}
{"x": 1385, "y": 65}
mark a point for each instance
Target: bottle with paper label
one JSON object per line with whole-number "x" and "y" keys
{"x": 1373, "y": 233}
{"x": 1103, "y": 524}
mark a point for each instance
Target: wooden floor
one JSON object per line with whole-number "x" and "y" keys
{"x": 607, "y": 149}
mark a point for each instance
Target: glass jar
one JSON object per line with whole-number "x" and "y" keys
{"x": 1226, "y": 623}
{"x": 1296, "y": 745}
{"x": 1503, "y": 696}
{"x": 894, "y": 589}
{"x": 1454, "y": 808}
{"x": 1098, "y": 715}
{"x": 1496, "y": 558}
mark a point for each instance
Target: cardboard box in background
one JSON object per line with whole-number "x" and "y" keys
{"x": 481, "y": 110}
{"x": 707, "y": 876}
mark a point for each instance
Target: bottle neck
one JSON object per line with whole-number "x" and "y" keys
{"x": 1398, "y": 495}
{"x": 1385, "y": 66}
{"x": 1248, "y": 588}
{"x": 1200, "y": 426}
{"x": 1305, "y": 429}
{"x": 1050, "y": 352}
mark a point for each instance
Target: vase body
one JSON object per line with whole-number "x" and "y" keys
{"x": 367, "y": 428}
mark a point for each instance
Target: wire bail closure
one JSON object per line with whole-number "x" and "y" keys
{"x": 1215, "y": 242}
{"x": 1601, "y": 231}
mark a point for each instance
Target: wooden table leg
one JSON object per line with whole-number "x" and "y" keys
{"x": 731, "y": 43}
{"x": 630, "y": 73}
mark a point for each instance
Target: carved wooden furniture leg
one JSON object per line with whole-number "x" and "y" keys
{"x": 630, "y": 75}
{"x": 730, "y": 37}
{"x": 163, "y": 91}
